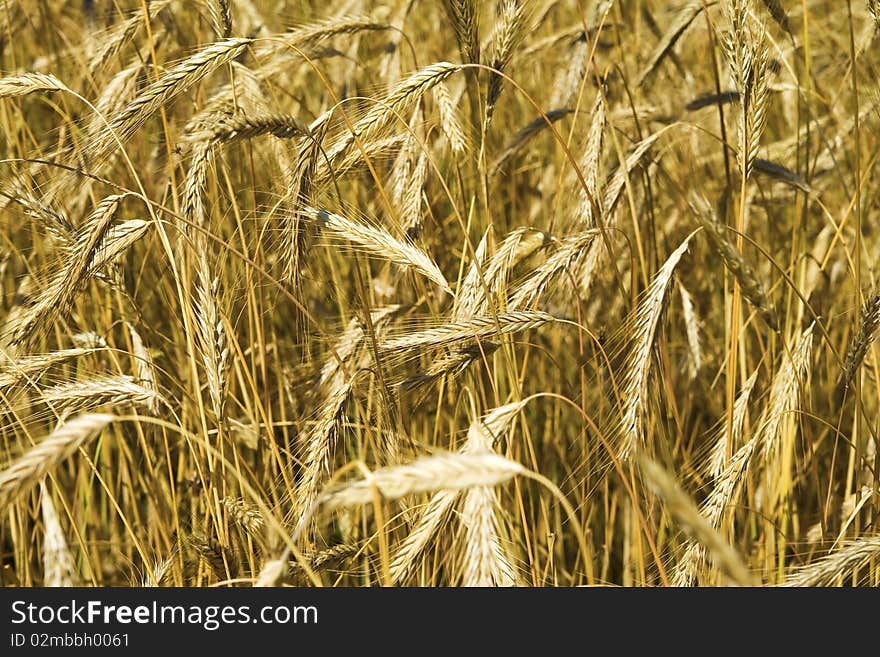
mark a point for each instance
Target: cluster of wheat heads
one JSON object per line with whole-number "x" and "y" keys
{"x": 453, "y": 292}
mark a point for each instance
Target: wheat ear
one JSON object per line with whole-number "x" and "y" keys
{"x": 424, "y": 475}
{"x": 59, "y": 567}
{"x": 686, "y": 514}
{"x": 637, "y": 366}
{"x": 378, "y": 242}
{"x": 26, "y": 472}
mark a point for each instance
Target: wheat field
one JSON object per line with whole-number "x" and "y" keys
{"x": 439, "y": 293}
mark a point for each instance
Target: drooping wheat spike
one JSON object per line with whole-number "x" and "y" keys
{"x": 194, "y": 185}
{"x": 861, "y": 340}
{"x": 424, "y": 475}
{"x": 312, "y": 34}
{"x": 637, "y": 365}
{"x": 781, "y": 173}
{"x": 710, "y": 99}
{"x": 59, "y": 566}
{"x": 222, "y": 559}
{"x": 378, "y": 242}
{"x": 749, "y": 61}
{"x": 226, "y": 128}
{"x": 473, "y": 328}
{"x": 323, "y": 559}
{"x": 317, "y": 445}
{"x": 29, "y": 83}
{"x": 301, "y": 178}
{"x": 107, "y": 390}
{"x": 463, "y": 16}
{"x": 511, "y": 30}
{"x": 838, "y": 565}
{"x": 481, "y": 436}
{"x": 717, "y": 461}
{"x": 245, "y": 515}
{"x": 160, "y": 570}
{"x": 692, "y": 331}
{"x": 117, "y": 241}
{"x": 346, "y": 346}
{"x": 354, "y": 159}
{"x": 688, "y": 517}
{"x": 790, "y": 380}
{"x": 874, "y": 10}
{"x": 449, "y": 122}
{"x": 120, "y": 35}
{"x": 676, "y": 29}
{"x": 115, "y": 94}
{"x": 29, "y": 368}
{"x": 24, "y": 473}
{"x": 449, "y": 365}
{"x": 616, "y": 184}
{"x": 568, "y": 79}
{"x": 525, "y": 133}
{"x": 244, "y": 94}
{"x": 728, "y": 483}
{"x": 596, "y": 254}
{"x": 53, "y": 220}
{"x": 88, "y": 340}
{"x": 178, "y": 79}
{"x": 411, "y": 208}
{"x": 409, "y": 176}
{"x": 337, "y": 553}
{"x": 725, "y": 490}
{"x": 221, "y": 17}
{"x": 558, "y": 263}
{"x": 778, "y": 13}
{"x": 404, "y": 94}
{"x": 519, "y": 245}
{"x": 57, "y": 297}
{"x": 752, "y": 289}
{"x": 145, "y": 373}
